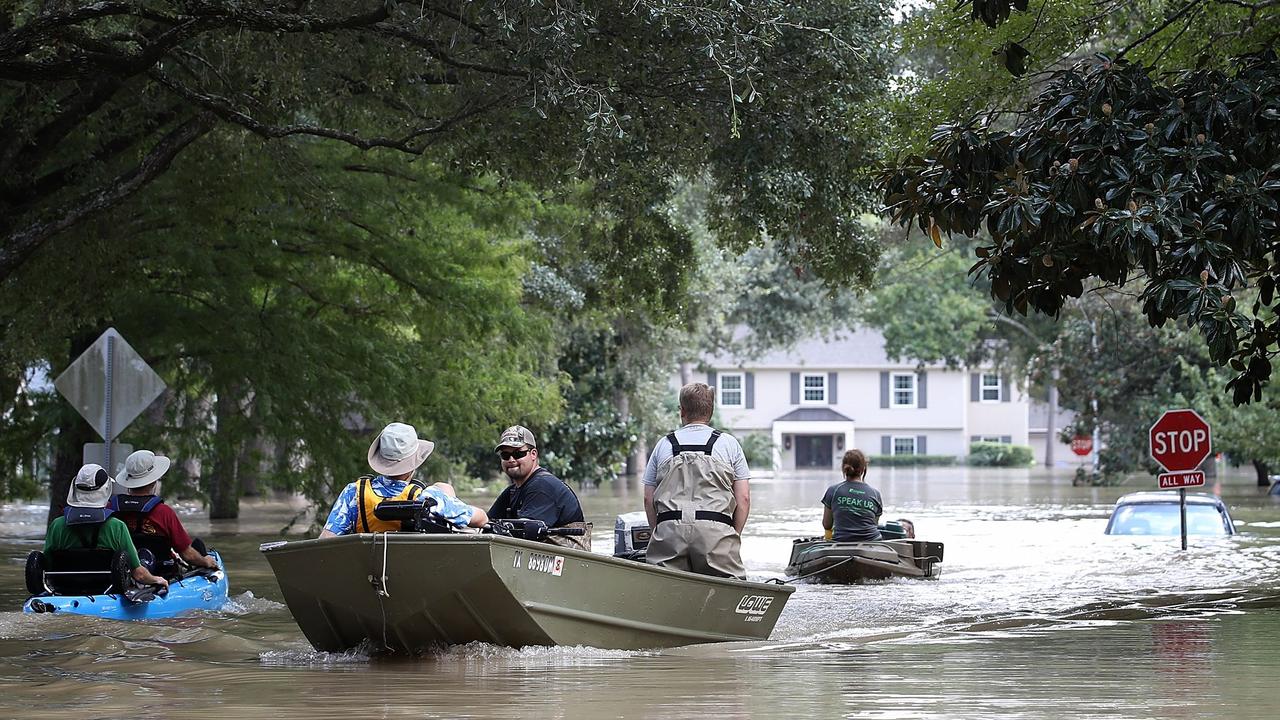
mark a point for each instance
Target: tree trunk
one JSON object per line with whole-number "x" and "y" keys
{"x": 1050, "y": 431}
{"x": 224, "y": 486}
{"x": 686, "y": 373}
{"x": 1264, "y": 473}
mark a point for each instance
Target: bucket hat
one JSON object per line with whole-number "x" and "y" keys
{"x": 398, "y": 450}
{"x": 142, "y": 468}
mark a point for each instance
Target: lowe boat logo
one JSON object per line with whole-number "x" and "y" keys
{"x": 753, "y": 605}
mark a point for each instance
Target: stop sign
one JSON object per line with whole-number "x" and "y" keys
{"x": 1082, "y": 444}
{"x": 1180, "y": 440}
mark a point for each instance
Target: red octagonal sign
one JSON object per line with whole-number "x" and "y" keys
{"x": 1180, "y": 440}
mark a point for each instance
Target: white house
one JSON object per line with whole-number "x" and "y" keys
{"x": 828, "y": 394}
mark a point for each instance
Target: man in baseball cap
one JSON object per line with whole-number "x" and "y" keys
{"x": 396, "y": 454}
{"x": 534, "y": 492}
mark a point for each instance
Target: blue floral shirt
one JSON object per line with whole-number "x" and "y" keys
{"x": 342, "y": 518}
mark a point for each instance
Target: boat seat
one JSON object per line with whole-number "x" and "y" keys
{"x": 156, "y": 555}
{"x": 78, "y": 572}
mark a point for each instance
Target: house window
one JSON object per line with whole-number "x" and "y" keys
{"x": 904, "y": 390}
{"x": 904, "y": 446}
{"x": 991, "y": 387}
{"x": 813, "y": 388}
{"x": 731, "y": 395}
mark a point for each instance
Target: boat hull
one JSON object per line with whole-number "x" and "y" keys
{"x": 198, "y": 592}
{"x": 826, "y": 561}
{"x": 450, "y": 589}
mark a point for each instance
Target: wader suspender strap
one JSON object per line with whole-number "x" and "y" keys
{"x": 364, "y": 515}
{"x": 676, "y": 449}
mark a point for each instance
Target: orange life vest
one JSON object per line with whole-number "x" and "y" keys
{"x": 367, "y": 522}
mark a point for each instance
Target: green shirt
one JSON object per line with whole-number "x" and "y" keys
{"x": 114, "y": 535}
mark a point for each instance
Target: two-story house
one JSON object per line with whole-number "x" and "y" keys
{"x": 825, "y": 395}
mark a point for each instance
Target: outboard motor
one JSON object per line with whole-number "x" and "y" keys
{"x": 414, "y": 515}
{"x": 631, "y": 533}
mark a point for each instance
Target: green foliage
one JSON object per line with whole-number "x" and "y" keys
{"x": 909, "y": 460}
{"x": 758, "y": 449}
{"x": 989, "y": 454}
{"x": 1110, "y": 173}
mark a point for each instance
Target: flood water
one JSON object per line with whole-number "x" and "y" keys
{"x": 1037, "y": 614}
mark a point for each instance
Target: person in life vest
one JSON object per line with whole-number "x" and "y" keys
{"x": 534, "y": 493}
{"x": 697, "y": 493}
{"x": 87, "y": 523}
{"x": 152, "y": 523}
{"x": 851, "y": 509}
{"x": 396, "y": 454}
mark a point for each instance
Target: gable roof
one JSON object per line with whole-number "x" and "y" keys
{"x": 860, "y": 347}
{"x": 811, "y": 414}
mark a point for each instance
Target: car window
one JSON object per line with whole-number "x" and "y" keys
{"x": 1162, "y": 519}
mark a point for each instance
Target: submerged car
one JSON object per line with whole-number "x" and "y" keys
{"x": 1157, "y": 513}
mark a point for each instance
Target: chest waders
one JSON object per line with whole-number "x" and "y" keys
{"x": 695, "y": 505}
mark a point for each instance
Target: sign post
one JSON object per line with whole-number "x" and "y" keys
{"x": 109, "y": 385}
{"x": 1180, "y": 441}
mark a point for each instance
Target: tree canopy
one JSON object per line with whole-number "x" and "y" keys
{"x": 1119, "y": 173}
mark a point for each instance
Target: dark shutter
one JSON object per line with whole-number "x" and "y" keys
{"x": 795, "y": 388}
{"x": 884, "y": 389}
{"x": 751, "y": 390}
{"x": 922, "y": 445}
{"x": 922, "y": 389}
{"x": 975, "y": 438}
{"x": 711, "y": 378}
{"x": 975, "y": 387}
{"x": 831, "y": 388}
{"x": 1006, "y": 439}
{"x": 886, "y": 445}
{"x": 1005, "y": 388}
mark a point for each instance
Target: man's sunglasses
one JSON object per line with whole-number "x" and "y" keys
{"x": 512, "y": 454}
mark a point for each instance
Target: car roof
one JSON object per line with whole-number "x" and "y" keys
{"x": 1146, "y": 498}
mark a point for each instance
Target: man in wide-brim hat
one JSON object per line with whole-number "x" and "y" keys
{"x": 147, "y": 515}
{"x": 87, "y": 523}
{"x": 396, "y": 454}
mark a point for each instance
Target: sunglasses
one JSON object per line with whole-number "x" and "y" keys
{"x": 512, "y": 454}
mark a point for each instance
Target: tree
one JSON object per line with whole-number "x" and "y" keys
{"x": 279, "y": 309}
{"x": 1113, "y": 176}
{"x": 99, "y": 100}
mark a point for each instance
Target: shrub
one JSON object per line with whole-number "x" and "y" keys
{"x": 909, "y": 460}
{"x": 758, "y": 449}
{"x": 990, "y": 454}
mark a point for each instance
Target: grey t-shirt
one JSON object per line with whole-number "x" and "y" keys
{"x": 726, "y": 449}
{"x": 855, "y": 511}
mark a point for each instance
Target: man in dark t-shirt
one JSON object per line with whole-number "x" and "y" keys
{"x": 535, "y": 493}
{"x": 854, "y": 509}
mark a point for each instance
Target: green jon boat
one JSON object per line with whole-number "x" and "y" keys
{"x": 411, "y": 591}
{"x": 826, "y": 561}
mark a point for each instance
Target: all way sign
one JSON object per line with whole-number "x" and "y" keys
{"x": 1173, "y": 481}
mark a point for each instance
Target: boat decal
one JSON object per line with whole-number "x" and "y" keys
{"x": 754, "y": 607}
{"x": 515, "y": 561}
{"x": 550, "y": 564}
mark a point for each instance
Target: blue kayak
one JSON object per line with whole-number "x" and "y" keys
{"x": 197, "y": 590}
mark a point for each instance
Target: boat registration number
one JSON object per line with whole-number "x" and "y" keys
{"x": 550, "y": 564}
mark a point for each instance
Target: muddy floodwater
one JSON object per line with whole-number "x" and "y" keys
{"x": 1036, "y": 614}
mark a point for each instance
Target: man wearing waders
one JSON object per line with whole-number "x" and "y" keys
{"x": 697, "y": 494}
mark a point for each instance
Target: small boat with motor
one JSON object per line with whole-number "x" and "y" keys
{"x": 897, "y": 555}
{"x": 428, "y": 586}
{"x": 87, "y": 589}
